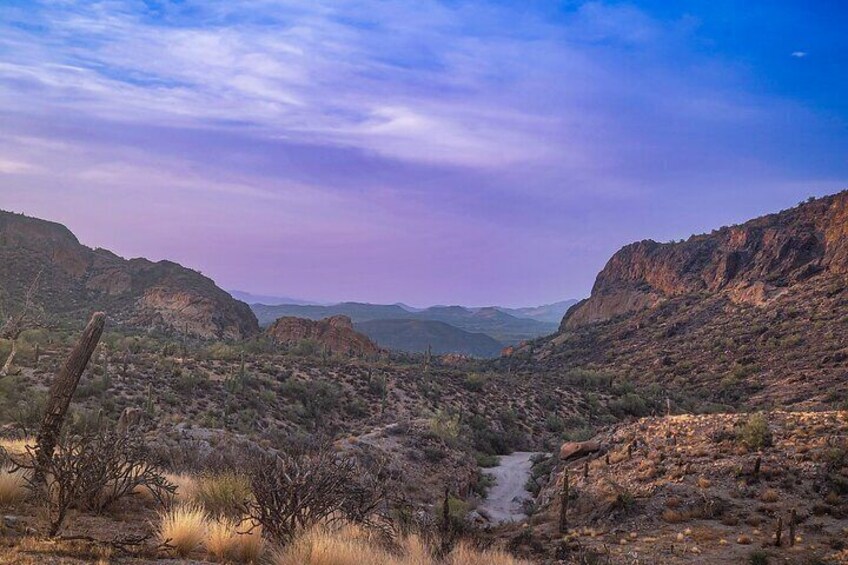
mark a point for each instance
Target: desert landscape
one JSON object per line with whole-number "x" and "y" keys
{"x": 430, "y": 282}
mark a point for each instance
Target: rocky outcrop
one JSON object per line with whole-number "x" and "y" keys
{"x": 750, "y": 263}
{"x": 335, "y": 334}
{"x": 138, "y": 293}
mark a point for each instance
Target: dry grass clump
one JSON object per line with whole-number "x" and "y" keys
{"x": 351, "y": 545}
{"x": 12, "y": 486}
{"x": 184, "y": 528}
{"x": 235, "y": 540}
{"x": 770, "y": 495}
{"x": 227, "y": 494}
{"x": 675, "y": 516}
{"x": 186, "y": 486}
{"x": 348, "y": 545}
{"x": 465, "y": 554}
{"x": 17, "y": 447}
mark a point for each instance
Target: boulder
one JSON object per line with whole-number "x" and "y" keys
{"x": 575, "y": 449}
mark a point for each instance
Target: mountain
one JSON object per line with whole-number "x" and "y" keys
{"x": 414, "y": 336}
{"x": 498, "y": 325}
{"x": 754, "y": 314}
{"x": 550, "y": 313}
{"x": 750, "y": 263}
{"x": 250, "y": 298}
{"x": 335, "y": 334}
{"x": 137, "y": 293}
{"x": 503, "y": 327}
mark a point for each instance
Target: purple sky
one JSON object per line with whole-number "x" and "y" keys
{"x": 412, "y": 150}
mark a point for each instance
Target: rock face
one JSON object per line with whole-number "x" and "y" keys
{"x": 750, "y": 263}
{"x": 136, "y": 293}
{"x": 336, "y": 334}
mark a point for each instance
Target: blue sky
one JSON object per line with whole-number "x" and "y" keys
{"x": 416, "y": 151}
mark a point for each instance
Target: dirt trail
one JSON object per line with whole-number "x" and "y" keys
{"x": 507, "y": 495}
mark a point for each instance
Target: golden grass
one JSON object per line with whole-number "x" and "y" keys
{"x": 12, "y": 486}
{"x": 226, "y": 494}
{"x": 17, "y": 447}
{"x": 184, "y": 528}
{"x": 465, "y": 554}
{"x": 239, "y": 541}
{"x": 186, "y": 486}
{"x": 350, "y": 545}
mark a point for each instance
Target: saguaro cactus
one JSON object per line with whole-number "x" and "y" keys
{"x": 563, "y": 510}
{"x": 62, "y": 390}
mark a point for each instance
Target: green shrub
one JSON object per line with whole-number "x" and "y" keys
{"x": 758, "y": 557}
{"x": 755, "y": 432}
{"x": 487, "y": 460}
{"x": 227, "y": 494}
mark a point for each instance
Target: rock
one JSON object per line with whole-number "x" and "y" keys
{"x": 336, "y": 334}
{"x": 130, "y": 417}
{"x": 575, "y": 449}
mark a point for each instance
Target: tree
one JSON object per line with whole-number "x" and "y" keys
{"x": 27, "y": 318}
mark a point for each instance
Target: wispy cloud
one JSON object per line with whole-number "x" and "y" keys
{"x": 414, "y": 137}
{"x": 799, "y": 54}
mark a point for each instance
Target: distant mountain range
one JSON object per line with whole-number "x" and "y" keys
{"x": 481, "y": 332}
{"x": 414, "y": 336}
{"x": 250, "y": 298}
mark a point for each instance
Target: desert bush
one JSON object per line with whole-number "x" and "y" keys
{"x": 445, "y": 426}
{"x": 758, "y": 557}
{"x": 755, "y": 432}
{"x": 475, "y": 382}
{"x": 308, "y": 484}
{"x": 486, "y": 460}
{"x": 222, "y": 495}
{"x": 588, "y": 379}
{"x": 183, "y": 528}
{"x": 91, "y": 471}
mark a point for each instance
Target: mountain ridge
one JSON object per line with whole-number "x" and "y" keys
{"x": 136, "y": 293}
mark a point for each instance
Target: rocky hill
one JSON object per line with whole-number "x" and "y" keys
{"x": 414, "y": 336}
{"x": 750, "y": 315}
{"x": 753, "y": 262}
{"x": 335, "y": 334}
{"x": 137, "y": 293}
{"x": 703, "y": 489}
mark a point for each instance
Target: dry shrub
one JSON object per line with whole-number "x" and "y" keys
{"x": 770, "y": 495}
{"x": 13, "y": 486}
{"x": 91, "y": 471}
{"x": 308, "y": 485}
{"x": 235, "y": 540}
{"x": 184, "y": 528}
{"x": 674, "y": 516}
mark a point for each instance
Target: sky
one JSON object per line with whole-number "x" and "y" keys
{"x": 429, "y": 152}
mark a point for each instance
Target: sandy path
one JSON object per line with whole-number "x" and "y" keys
{"x": 507, "y": 495}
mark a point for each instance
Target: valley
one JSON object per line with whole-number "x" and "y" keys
{"x": 691, "y": 410}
